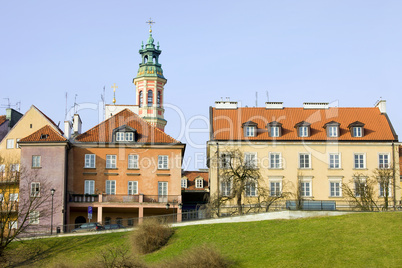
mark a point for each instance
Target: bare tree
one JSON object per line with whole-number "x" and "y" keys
{"x": 16, "y": 213}
{"x": 384, "y": 177}
{"x": 360, "y": 192}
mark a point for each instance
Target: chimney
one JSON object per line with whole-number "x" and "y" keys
{"x": 315, "y": 105}
{"x": 274, "y": 105}
{"x": 382, "y": 105}
{"x": 12, "y": 116}
{"x": 77, "y": 123}
{"x": 67, "y": 129}
{"x": 226, "y": 104}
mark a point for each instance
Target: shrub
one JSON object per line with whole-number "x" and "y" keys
{"x": 199, "y": 257}
{"x": 115, "y": 258}
{"x": 151, "y": 235}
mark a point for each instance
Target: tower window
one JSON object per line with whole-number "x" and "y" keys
{"x": 159, "y": 99}
{"x": 150, "y": 97}
{"x": 140, "y": 99}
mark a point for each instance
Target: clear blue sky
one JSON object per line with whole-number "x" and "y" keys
{"x": 348, "y": 52}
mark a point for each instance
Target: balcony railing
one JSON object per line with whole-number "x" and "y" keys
{"x": 82, "y": 198}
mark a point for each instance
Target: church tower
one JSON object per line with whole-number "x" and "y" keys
{"x": 150, "y": 83}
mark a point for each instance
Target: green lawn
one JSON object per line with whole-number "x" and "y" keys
{"x": 356, "y": 240}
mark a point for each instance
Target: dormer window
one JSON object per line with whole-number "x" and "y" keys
{"x": 184, "y": 183}
{"x": 356, "y": 129}
{"x": 303, "y": 129}
{"x": 275, "y": 129}
{"x": 199, "y": 183}
{"x": 332, "y": 129}
{"x": 250, "y": 129}
{"x": 124, "y": 134}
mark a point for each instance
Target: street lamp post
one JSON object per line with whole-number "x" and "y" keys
{"x": 51, "y": 221}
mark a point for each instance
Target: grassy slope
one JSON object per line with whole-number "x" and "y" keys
{"x": 358, "y": 240}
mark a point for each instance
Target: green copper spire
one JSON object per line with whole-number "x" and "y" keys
{"x": 150, "y": 57}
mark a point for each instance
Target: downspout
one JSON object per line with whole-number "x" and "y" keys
{"x": 217, "y": 175}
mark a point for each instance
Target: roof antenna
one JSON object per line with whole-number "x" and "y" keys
{"x": 75, "y": 104}
{"x": 267, "y": 96}
{"x": 256, "y": 99}
{"x": 65, "y": 112}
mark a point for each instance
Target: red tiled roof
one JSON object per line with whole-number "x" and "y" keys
{"x": 45, "y": 134}
{"x": 2, "y": 119}
{"x": 146, "y": 133}
{"x": 191, "y": 176}
{"x": 227, "y": 123}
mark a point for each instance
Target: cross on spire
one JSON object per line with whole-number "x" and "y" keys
{"x": 150, "y": 22}
{"x": 114, "y": 92}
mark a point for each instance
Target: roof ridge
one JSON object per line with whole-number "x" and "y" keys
{"x": 48, "y": 118}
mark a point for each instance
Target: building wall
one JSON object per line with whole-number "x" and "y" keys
{"x": 147, "y": 174}
{"x": 319, "y": 171}
{"x": 51, "y": 174}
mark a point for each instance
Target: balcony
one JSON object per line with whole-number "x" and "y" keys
{"x": 82, "y": 198}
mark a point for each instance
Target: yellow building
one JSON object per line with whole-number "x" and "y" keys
{"x": 316, "y": 148}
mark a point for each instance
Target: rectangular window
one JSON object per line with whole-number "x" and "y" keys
{"x": 275, "y": 160}
{"x": 120, "y": 136}
{"x": 13, "y": 197}
{"x": 132, "y": 187}
{"x": 35, "y": 189}
{"x": 275, "y": 188}
{"x": 183, "y": 183}
{"x": 274, "y": 131}
{"x": 250, "y": 131}
{"x": 250, "y": 160}
{"x": 163, "y": 162}
{"x": 360, "y": 187}
{"x": 251, "y": 189}
{"x": 129, "y": 136}
{"x": 199, "y": 183}
{"x": 110, "y": 161}
{"x": 10, "y": 144}
{"x": 110, "y": 187}
{"x": 382, "y": 187}
{"x": 306, "y": 188}
{"x": 13, "y": 225}
{"x": 132, "y": 161}
{"x": 225, "y": 161}
{"x": 2, "y": 170}
{"x": 303, "y": 131}
{"x": 36, "y": 161}
{"x": 334, "y": 161}
{"x": 357, "y": 132}
{"x": 335, "y": 188}
{"x": 304, "y": 160}
{"x": 89, "y": 161}
{"x": 383, "y": 161}
{"x": 333, "y": 131}
{"x": 34, "y": 217}
{"x": 226, "y": 188}
{"x": 162, "y": 190}
{"x": 89, "y": 187}
{"x": 360, "y": 161}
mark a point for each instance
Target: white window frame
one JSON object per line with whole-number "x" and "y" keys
{"x": 275, "y": 187}
{"x": 163, "y": 162}
{"x": 381, "y": 192}
{"x": 133, "y": 161}
{"x": 183, "y": 183}
{"x": 36, "y": 161}
{"x": 111, "y": 160}
{"x": 361, "y": 181}
{"x": 277, "y": 163}
{"x": 357, "y": 132}
{"x": 34, "y": 217}
{"x": 305, "y": 183}
{"x": 110, "y": 187}
{"x": 163, "y": 188}
{"x": 10, "y": 144}
{"x": 199, "y": 183}
{"x": 332, "y": 162}
{"x": 35, "y": 189}
{"x": 132, "y": 187}
{"x": 337, "y": 191}
{"x": 13, "y": 197}
{"x": 333, "y": 131}
{"x": 251, "y": 188}
{"x": 119, "y": 136}
{"x": 304, "y": 162}
{"x": 383, "y": 165}
{"x": 89, "y": 187}
{"x": 90, "y": 161}
{"x": 224, "y": 161}
{"x": 250, "y": 160}
{"x": 250, "y": 131}
{"x": 303, "y": 131}
{"x": 362, "y": 156}
{"x": 13, "y": 225}
{"x": 275, "y": 131}
{"x": 226, "y": 187}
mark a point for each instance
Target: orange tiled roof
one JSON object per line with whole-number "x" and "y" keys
{"x": 145, "y": 131}
{"x": 227, "y": 123}
{"x": 191, "y": 176}
{"x": 45, "y": 134}
{"x": 2, "y": 119}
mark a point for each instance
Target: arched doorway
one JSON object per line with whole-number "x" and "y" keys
{"x": 79, "y": 220}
